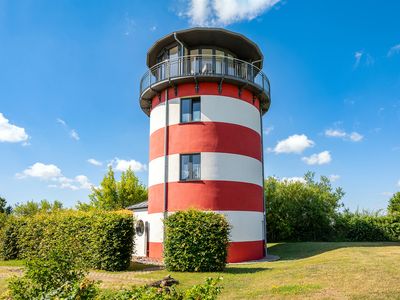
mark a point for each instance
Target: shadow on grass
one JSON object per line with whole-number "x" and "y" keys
{"x": 245, "y": 270}
{"x": 292, "y": 251}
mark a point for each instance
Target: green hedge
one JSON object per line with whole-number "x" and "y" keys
{"x": 363, "y": 227}
{"x": 196, "y": 241}
{"x": 103, "y": 239}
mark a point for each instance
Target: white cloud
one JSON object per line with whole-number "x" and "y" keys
{"x": 11, "y": 133}
{"x": 293, "y": 179}
{"x": 355, "y": 137}
{"x": 338, "y": 133}
{"x": 123, "y": 165}
{"x": 362, "y": 57}
{"x": 74, "y": 135}
{"x": 318, "y": 158}
{"x": 94, "y": 162}
{"x": 334, "y": 177}
{"x": 335, "y": 133}
{"x": 52, "y": 173}
{"x": 225, "y": 12}
{"x": 398, "y": 183}
{"x": 41, "y": 171}
{"x": 293, "y": 144}
{"x": 268, "y": 130}
{"x": 61, "y": 121}
{"x": 394, "y": 50}
{"x": 72, "y": 132}
{"x": 357, "y": 56}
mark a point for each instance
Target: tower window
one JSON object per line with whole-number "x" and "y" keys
{"x": 190, "y": 166}
{"x": 190, "y": 110}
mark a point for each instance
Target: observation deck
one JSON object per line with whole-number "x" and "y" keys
{"x": 204, "y": 55}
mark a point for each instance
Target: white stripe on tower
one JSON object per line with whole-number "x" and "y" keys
{"x": 213, "y": 109}
{"x": 214, "y": 166}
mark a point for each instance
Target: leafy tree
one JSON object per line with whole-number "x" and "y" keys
{"x": 112, "y": 194}
{"x": 31, "y": 208}
{"x": 4, "y": 209}
{"x": 301, "y": 210}
{"x": 130, "y": 190}
{"x": 106, "y": 196}
{"x": 394, "y": 204}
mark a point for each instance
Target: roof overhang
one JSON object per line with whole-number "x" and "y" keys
{"x": 237, "y": 43}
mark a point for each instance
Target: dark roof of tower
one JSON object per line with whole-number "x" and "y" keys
{"x": 237, "y": 43}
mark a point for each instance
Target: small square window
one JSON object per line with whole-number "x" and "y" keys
{"x": 190, "y": 166}
{"x": 190, "y": 110}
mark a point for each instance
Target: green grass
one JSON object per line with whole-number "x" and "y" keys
{"x": 306, "y": 270}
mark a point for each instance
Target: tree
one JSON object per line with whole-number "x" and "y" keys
{"x": 112, "y": 194}
{"x": 4, "y": 209}
{"x": 301, "y": 210}
{"x": 106, "y": 196}
{"x": 394, "y": 204}
{"x": 130, "y": 190}
{"x": 31, "y": 208}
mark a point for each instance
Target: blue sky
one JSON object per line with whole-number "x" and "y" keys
{"x": 69, "y": 83}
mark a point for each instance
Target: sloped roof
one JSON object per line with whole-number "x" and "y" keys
{"x": 139, "y": 206}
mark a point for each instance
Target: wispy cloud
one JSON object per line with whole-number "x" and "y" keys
{"x": 71, "y": 132}
{"x": 318, "y": 158}
{"x": 94, "y": 162}
{"x": 53, "y": 174}
{"x": 224, "y": 12}
{"x": 338, "y": 133}
{"x": 334, "y": 177}
{"x": 11, "y": 133}
{"x": 394, "y": 50}
{"x": 268, "y": 130}
{"x": 362, "y": 58}
{"x": 293, "y": 144}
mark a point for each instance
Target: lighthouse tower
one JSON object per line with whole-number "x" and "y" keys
{"x": 205, "y": 95}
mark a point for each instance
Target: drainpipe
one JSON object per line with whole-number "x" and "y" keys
{"x": 180, "y": 43}
{"x": 166, "y": 160}
{"x": 263, "y": 185}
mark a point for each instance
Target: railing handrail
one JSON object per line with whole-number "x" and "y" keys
{"x": 160, "y": 73}
{"x": 204, "y": 55}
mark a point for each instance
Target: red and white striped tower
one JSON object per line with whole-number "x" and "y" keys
{"x": 205, "y": 94}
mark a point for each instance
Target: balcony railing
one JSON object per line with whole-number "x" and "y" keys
{"x": 205, "y": 66}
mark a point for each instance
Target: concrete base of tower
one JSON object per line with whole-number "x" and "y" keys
{"x": 237, "y": 251}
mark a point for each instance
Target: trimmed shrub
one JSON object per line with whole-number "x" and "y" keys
{"x": 361, "y": 227}
{"x": 104, "y": 240}
{"x": 196, "y": 241}
{"x": 9, "y": 238}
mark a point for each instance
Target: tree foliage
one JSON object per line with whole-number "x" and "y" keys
{"x": 394, "y": 204}
{"x": 113, "y": 195}
{"x": 301, "y": 210}
{"x": 57, "y": 274}
{"x": 31, "y": 208}
{"x": 4, "y": 208}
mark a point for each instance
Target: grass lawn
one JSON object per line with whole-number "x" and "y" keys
{"x": 306, "y": 270}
